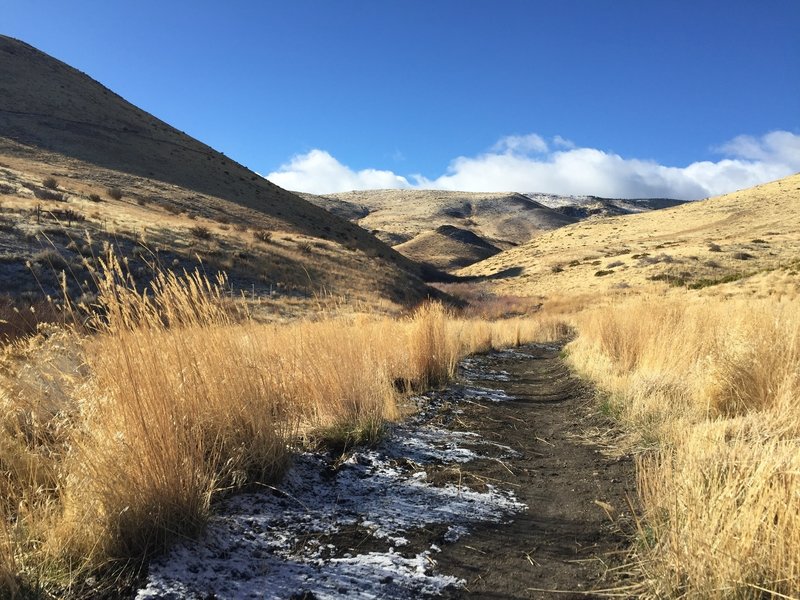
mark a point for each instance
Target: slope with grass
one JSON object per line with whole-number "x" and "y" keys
{"x": 697, "y": 245}
{"x": 398, "y": 216}
{"x": 171, "y": 194}
{"x": 447, "y": 248}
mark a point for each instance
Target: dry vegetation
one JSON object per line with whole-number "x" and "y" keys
{"x": 221, "y": 404}
{"x": 688, "y": 321}
{"x": 153, "y": 223}
{"x": 711, "y": 388}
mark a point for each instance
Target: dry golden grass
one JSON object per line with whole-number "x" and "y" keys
{"x": 20, "y": 319}
{"x": 116, "y": 442}
{"x": 713, "y": 388}
{"x": 8, "y": 564}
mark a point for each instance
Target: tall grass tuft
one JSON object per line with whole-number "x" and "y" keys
{"x": 433, "y": 354}
{"x": 8, "y": 565}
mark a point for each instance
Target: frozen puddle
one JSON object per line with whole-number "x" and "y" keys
{"x": 487, "y": 394}
{"x": 474, "y": 368}
{"x": 343, "y": 531}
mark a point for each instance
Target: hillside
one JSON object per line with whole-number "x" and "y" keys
{"x": 398, "y": 217}
{"x": 56, "y": 122}
{"x": 448, "y": 247}
{"x": 734, "y": 239}
{"x": 409, "y": 219}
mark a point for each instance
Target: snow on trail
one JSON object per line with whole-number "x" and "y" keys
{"x": 282, "y": 542}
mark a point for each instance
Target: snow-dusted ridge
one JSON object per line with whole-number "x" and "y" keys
{"x": 585, "y": 206}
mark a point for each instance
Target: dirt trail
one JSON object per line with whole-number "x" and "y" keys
{"x": 564, "y": 539}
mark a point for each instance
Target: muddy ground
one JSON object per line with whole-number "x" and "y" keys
{"x": 576, "y": 488}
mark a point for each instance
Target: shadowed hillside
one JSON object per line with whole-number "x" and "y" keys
{"x": 57, "y": 123}
{"x": 448, "y": 247}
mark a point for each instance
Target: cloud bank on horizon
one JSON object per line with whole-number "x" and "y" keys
{"x": 529, "y": 163}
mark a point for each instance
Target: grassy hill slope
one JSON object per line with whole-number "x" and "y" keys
{"x": 447, "y": 247}
{"x": 727, "y": 239}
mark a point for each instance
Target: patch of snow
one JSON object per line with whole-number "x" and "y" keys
{"x": 557, "y": 201}
{"x": 455, "y": 533}
{"x": 488, "y": 394}
{"x": 365, "y": 576}
{"x": 425, "y": 444}
{"x": 474, "y": 368}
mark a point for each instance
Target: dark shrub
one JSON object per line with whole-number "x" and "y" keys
{"x": 263, "y": 235}
{"x": 201, "y": 232}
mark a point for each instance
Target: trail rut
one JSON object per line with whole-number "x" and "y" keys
{"x": 576, "y": 492}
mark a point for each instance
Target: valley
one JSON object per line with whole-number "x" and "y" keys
{"x": 214, "y": 387}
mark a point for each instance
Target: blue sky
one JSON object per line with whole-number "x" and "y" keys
{"x": 681, "y": 98}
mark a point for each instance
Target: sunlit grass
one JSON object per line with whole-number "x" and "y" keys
{"x": 714, "y": 386}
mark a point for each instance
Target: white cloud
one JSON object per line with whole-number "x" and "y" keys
{"x": 319, "y": 173}
{"x": 525, "y": 163}
{"x": 563, "y": 142}
{"x": 512, "y": 144}
{"x": 774, "y": 147}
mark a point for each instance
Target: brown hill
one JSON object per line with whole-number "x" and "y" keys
{"x": 56, "y": 122}
{"x": 745, "y": 242}
{"x": 448, "y": 247}
{"x": 399, "y": 216}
